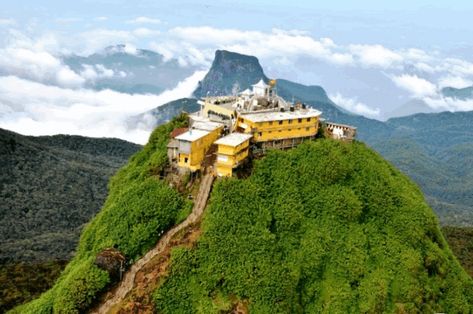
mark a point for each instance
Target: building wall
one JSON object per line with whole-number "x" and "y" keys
{"x": 229, "y": 157}
{"x": 275, "y": 130}
{"x": 218, "y": 109}
{"x": 198, "y": 150}
{"x": 224, "y": 171}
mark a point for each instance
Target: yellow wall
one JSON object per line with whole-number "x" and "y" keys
{"x": 276, "y": 130}
{"x": 224, "y": 171}
{"x": 233, "y": 160}
{"x": 198, "y": 150}
{"x": 233, "y": 154}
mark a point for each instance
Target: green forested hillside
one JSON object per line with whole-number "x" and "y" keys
{"x": 138, "y": 209}
{"x": 326, "y": 227}
{"x": 50, "y": 187}
{"x": 435, "y": 150}
{"x": 460, "y": 240}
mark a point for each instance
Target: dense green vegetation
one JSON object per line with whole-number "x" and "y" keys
{"x": 460, "y": 240}
{"x": 435, "y": 150}
{"x": 50, "y": 187}
{"x": 139, "y": 207}
{"x": 22, "y": 282}
{"x": 326, "y": 227}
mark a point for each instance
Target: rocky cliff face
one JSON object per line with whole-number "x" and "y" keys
{"x": 230, "y": 72}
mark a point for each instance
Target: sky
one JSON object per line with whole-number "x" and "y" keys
{"x": 370, "y": 56}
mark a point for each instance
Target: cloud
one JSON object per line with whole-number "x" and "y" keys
{"x": 416, "y": 86}
{"x": 197, "y": 44}
{"x": 144, "y": 20}
{"x": 375, "y": 55}
{"x": 454, "y": 81}
{"x": 7, "y": 22}
{"x": 353, "y": 105}
{"x": 145, "y": 32}
{"x": 38, "y": 66}
{"x": 98, "y": 71}
{"x": 300, "y": 55}
{"x": 101, "y": 18}
{"x": 450, "y": 104}
{"x": 46, "y": 110}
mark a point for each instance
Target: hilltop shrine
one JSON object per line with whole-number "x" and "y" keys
{"x": 232, "y": 128}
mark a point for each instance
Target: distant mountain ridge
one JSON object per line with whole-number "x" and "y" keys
{"x": 459, "y": 93}
{"x": 135, "y": 71}
{"x": 51, "y": 186}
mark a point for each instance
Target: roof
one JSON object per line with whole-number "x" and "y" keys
{"x": 246, "y": 92}
{"x": 192, "y": 135}
{"x": 279, "y": 115}
{"x": 233, "y": 139}
{"x": 341, "y": 125}
{"x": 177, "y": 132}
{"x": 206, "y": 125}
{"x": 261, "y": 84}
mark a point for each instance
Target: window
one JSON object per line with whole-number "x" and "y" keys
{"x": 270, "y": 122}
{"x": 289, "y": 121}
{"x": 299, "y": 120}
{"x": 260, "y": 133}
{"x": 307, "y": 129}
{"x": 280, "y": 122}
{"x": 308, "y": 119}
{"x": 186, "y": 160}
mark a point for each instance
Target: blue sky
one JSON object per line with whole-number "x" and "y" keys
{"x": 444, "y": 25}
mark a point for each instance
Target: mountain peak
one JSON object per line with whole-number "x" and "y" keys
{"x": 230, "y": 72}
{"x": 121, "y": 48}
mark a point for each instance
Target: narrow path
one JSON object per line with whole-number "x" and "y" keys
{"x": 128, "y": 281}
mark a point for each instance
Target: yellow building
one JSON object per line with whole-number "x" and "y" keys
{"x": 232, "y": 150}
{"x": 193, "y": 146}
{"x": 280, "y": 129}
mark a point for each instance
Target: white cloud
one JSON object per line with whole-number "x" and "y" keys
{"x": 189, "y": 43}
{"x": 449, "y": 104}
{"x": 101, "y": 18}
{"x": 46, "y": 110}
{"x": 39, "y": 66}
{"x": 416, "y": 86}
{"x": 7, "y": 22}
{"x": 145, "y": 32}
{"x": 144, "y": 20}
{"x": 94, "y": 40}
{"x": 421, "y": 73}
{"x": 94, "y": 72}
{"x": 375, "y": 55}
{"x": 353, "y": 105}
{"x": 454, "y": 81}
{"x": 457, "y": 67}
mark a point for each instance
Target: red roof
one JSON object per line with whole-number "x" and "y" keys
{"x": 177, "y": 132}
